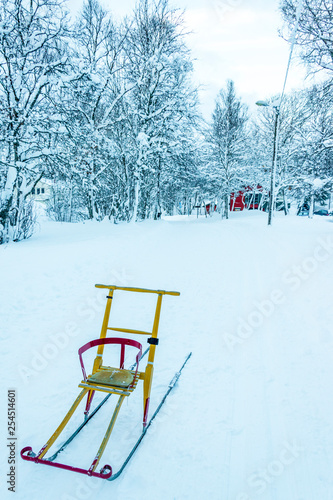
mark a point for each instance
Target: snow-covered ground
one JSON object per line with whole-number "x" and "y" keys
{"x": 251, "y": 416}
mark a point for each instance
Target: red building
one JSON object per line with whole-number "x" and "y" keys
{"x": 249, "y": 198}
{"x": 210, "y": 206}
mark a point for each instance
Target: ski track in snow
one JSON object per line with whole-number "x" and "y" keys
{"x": 227, "y": 428}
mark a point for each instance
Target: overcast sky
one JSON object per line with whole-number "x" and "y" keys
{"x": 236, "y": 39}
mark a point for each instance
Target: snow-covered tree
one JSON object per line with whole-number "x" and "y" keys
{"x": 293, "y": 116}
{"x": 88, "y": 102}
{"x": 227, "y": 143}
{"x": 305, "y": 145}
{"x": 314, "y": 32}
{"x": 311, "y": 159}
{"x": 32, "y": 56}
{"x": 162, "y": 105}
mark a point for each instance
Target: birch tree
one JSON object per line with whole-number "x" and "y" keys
{"x": 227, "y": 141}
{"x": 311, "y": 159}
{"x": 32, "y": 56}
{"x": 315, "y": 31}
{"x": 89, "y": 101}
{"x": 163, "y": 102}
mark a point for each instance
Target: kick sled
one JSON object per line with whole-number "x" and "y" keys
{"x": 120, "y": 382}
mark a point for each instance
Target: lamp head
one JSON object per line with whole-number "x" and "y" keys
{"x": 262, "y": 103}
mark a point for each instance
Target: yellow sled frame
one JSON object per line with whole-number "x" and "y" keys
{"x": 89, "y": 387}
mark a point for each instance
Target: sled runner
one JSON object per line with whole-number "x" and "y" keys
{"x": 117, "y": 381}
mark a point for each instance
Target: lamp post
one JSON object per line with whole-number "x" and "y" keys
{"x": 274, "y": 161}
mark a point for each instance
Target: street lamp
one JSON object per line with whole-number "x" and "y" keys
{"x": 274, "y": 161}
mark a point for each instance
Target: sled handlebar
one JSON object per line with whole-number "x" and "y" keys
{"x": 132, "y": 289}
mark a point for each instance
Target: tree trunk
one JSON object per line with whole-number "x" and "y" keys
{"x": 136, "y": 200}
{"x": 261, "y": 202}
{"x": 285, "y": 208}
{"x": 311, "y": 206}
{"x": 7, "y": 194}
{"x": 70, "y": 201}
{"x": 90, "y": 203}
{"x": 226, "y": 206}
{"x": 158, "y": 211}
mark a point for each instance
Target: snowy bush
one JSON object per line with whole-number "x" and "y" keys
{"x": 66, "y": 204}
{"x": 25, "y": 222}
